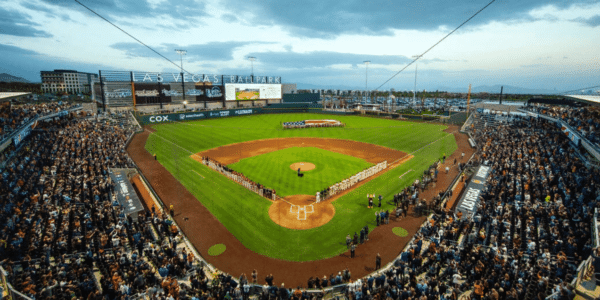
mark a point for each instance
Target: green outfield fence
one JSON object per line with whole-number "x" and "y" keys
{"x": 149, "y": 119}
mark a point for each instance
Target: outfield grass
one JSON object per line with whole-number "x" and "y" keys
{"x": 245, "y": 214}
{"x": 273, "y": 169}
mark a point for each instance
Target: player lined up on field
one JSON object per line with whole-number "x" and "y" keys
{"x": 239, "y": 178}
{"x": 358, "y": 177}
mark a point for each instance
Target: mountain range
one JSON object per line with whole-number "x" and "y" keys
{"x": 9, "y": 78}
{"x": 494, "y": 89}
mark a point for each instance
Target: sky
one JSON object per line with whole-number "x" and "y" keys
{"x": 551, "y": 45}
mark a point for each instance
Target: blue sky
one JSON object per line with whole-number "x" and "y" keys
{"x": 532, "y": 44}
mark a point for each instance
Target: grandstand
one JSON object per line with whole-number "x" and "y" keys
{"x": 532, "y": 234}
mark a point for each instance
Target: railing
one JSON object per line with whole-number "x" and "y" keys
{"x": 38, "y": 118}
{"x": 162, "y": 208}
{"x": 590, "y": 147}
{"x": 8, "y": 290}
{"x": 468, "y": 123}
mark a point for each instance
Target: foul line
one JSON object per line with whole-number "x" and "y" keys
{"x": 151, "y": 133}
{"x": 405, "y": 173}
{"x": 197, "y": 173}
{"x": 449, "y": 134}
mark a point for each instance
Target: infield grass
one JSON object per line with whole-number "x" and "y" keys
{"x": 273, "y": 169}
{"x": 245, "y": 214}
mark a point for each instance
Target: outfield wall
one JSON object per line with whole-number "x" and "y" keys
{"x": 199, "y": 115}
{"x": 196, "y": 115}
{"x": 277, "y": 109}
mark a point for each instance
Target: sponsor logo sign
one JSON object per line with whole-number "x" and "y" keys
{"x": 193, "y": 92}
{"x": 214, "y": 92}
{"x": 179, "y": 117}
{"x": 243, "y": 112}
{"x": 23, "y": 133}
{"x": 468, "y": 202}
{"x": 204, "y": 78}
{"x": 159, "y": 119}
{"x": 118, "y": 93}
{"x": 126, "y": 195}
{"x": 147, "y": 93}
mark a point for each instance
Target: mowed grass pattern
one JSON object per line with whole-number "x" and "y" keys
{"x": 245, "y": 214}
{"x": 273, "y": 169}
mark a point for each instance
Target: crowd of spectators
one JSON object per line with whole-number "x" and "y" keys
{"x": 13, "y": 117}
{"x": 585, "y": 120}
{"x": 529, "y": 233}
{"x": 64, "y": 236}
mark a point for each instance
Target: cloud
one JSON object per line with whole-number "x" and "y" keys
{"x": 592, "y": 22}
{"x": 180, "y": 10}
{"x": 48, "y": 12}
{"x": 16, "y": 23}
{"x": 9, "y": 50}
{"x": 320, "y": 59}
{"x": 229, "y": 18}
{"x": 28, "y": 63}
{"x": 133, "y": 49}
{"x": 213, "y": 51}
{"x": 220, "y": 51}
{"x": 330, "y": 18}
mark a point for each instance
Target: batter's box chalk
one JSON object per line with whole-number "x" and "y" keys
{"x": 312, "y": 209}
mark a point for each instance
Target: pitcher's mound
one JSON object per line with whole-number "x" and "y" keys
{"x": 304, "y": 166}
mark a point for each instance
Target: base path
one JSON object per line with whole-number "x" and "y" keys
{"x": 290, "y": 211}
{"x": 237, "y": 259}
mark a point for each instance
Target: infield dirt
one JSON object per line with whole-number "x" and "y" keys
{"x": 238, "y": 259}
{"x": 309, "y": 214}
{"x": 232, "y": 153}
{"x": 303, "y": 166}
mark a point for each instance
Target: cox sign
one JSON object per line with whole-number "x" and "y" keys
{"x": 158, "y": 119}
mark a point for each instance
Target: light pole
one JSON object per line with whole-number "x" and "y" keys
{"x": 181, "y": 54}
{"x": 367, "y": 62}
{"x": 416, "y": 57}
{"x": 252, "y": 59}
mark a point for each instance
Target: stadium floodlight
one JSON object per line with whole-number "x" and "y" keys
{"x": 252, "y": 59}
{"x": 181, "y": 54}
{"x": 367, "y": 62}
{"x": 415, "y": 57}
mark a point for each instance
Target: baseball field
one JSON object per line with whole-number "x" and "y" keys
{"x": 246, "y": 214}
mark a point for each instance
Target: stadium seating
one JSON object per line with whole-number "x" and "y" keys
{"x": 63, "y": 236}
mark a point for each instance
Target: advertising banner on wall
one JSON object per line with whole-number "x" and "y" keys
{"x": 153, "y": 93}
{"x": 24, "y": 133}
{"x": 569, "y": 133}
{"x": 115, "y": 87}
{"x": 180, "y": 117}
{"x": 126, "y": 195}
{"x": 213, "y": 93}
{"x": 5, "y": 144}
{"x": 198, "y": 92}
{"x": 468, "y": 202}
{"x": 252, "y": 91}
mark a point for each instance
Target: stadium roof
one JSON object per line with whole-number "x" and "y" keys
{"x": 11, "y": 95}
{"x": 585, "y": 98}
